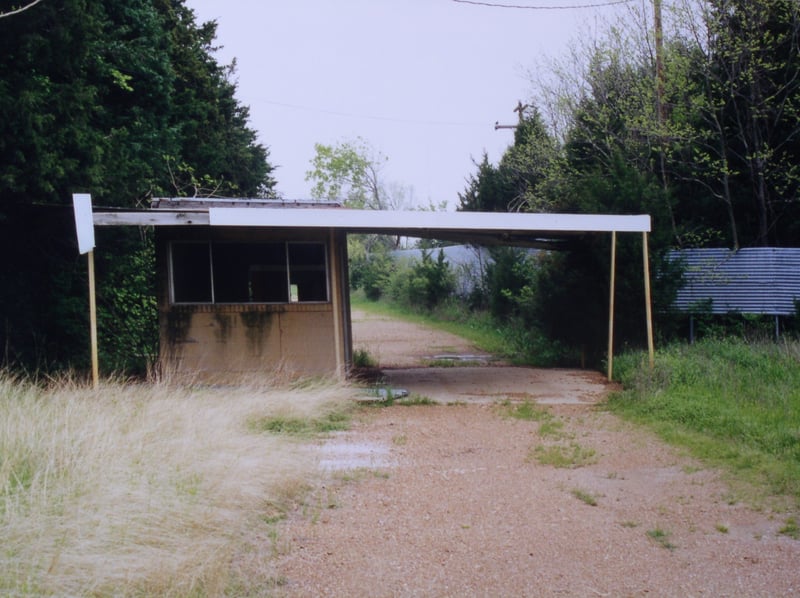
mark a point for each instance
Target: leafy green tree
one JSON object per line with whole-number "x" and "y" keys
{"x": 573, "y": 287}
{"x": 100, "y": 96}
{"x": 734, "y": 96}
{"x": 532, "y": 164}
{"x": 128, "y": 312}
{"x": 123, "y": 99}
{"x": 755, "y": 56}
{"x": 350, "y": 172}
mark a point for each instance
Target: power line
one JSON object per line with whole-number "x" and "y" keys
{"x": 529, "y": 7}
{"x": 370, "y": 116}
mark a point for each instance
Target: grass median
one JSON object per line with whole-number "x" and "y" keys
{"x": 732, "y": 403}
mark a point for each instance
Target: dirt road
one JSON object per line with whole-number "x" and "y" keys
{"x": 459, "y": 499}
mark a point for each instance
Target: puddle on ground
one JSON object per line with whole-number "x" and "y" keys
{"x": 340, "y": 454}
{"x": 462, "y": 358}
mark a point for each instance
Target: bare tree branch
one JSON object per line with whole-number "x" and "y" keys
{"x": 16, "y": 11}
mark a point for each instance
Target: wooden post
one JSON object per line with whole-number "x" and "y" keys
{"x": 647, "y": 301}
{"x": 336, "y": 302}
{"x": 611, "y": 306}
{"x": 84, "y": 227}
{"x": 93, "y": 321}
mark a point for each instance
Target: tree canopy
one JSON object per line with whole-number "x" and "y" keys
{"x": 123, "y": 99}
{"x": 710, "y": 151}
{"x": 351, "y": 172}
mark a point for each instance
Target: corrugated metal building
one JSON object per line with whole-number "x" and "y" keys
{"x": 758, "y": 280}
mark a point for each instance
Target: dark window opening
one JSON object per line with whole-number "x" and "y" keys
{"x": 249, "y": 272}
{"x": 307, "y": 274}
{"x": 191, "y": 273}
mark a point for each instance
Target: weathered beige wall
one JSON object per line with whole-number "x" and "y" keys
{"x": 204, "y": 339}
{"x": 295, "y": 338}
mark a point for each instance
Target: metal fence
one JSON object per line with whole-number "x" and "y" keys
{"x": 758, "y": 280}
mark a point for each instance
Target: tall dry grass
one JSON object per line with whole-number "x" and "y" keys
{"x": 147, "y": 489}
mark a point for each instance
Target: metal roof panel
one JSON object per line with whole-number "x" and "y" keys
{"x": 408, "y": 222}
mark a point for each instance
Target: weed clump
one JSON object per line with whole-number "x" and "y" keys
{"x": 563, "y": 456}
{"x": 302, "y": 426}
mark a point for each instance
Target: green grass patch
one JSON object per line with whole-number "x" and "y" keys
{"x": 585, "y": 497}
{"x": 415, "y": 400}
{"x": 387, "y": 399}
{"x": 336, "y": 421}
{"x": 552, "y": 428}
{"x": 527, "y": 410}
{"x": 791, "y": 529}
{"x": 563, "y": 456}
{"x": 733, "y": 404}
{"x": 549, "y": 425}
{"x": 360, "y": 473}
{"x": 661, "y": 537}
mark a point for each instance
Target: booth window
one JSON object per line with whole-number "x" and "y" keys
{"x": 248, "y": 272}
{"x": 191, "y": 273}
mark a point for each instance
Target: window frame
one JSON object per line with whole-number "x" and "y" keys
{"x": 324, "y": 267}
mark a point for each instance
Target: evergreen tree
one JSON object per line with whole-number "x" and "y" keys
{"x": 122, "y": 99}
{"x": 525, "y": 176}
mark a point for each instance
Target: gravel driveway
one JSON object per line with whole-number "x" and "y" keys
{"x": 460, "y": 499}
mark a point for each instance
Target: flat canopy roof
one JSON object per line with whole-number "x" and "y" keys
{"x": 476, "y": 227}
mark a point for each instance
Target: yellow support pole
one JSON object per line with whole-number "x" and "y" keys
{"x": 336, "y": 302}
{"x": 611, "y": 305}
{"x": 648, "y": 304}
{"x": 93, "y": 322}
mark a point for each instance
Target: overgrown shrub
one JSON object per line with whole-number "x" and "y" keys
{"x": 423, "y": 283}
{"x": 127, "y": 309}
{"x": 371, "y": 273}
{"x": 509, "y": 277}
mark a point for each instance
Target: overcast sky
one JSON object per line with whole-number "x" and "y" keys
{"x": 423, "y": 81}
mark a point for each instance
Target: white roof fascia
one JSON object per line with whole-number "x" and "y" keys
{"x": 409, "y": 221}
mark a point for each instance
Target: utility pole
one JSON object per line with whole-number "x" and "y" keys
{"x": 659, "y": 33}
{"x": 661, "y": 107}
{"x": 520, "y": 110}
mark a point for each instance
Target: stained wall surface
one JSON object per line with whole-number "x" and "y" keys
{"x": 237, "y": 339}
{"x": 209, "y": 340}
